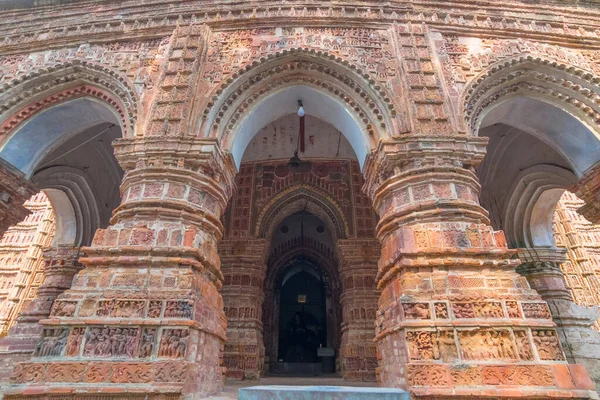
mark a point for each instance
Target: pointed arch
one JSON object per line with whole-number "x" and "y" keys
{"x": 298, "y": 198}
{"x": 340, "y": 93}
{"x": 530, "y": 209}
{"x": 572, "y": 88}
{"x": 556, "y": 102}
{"x": 39, "y": 90}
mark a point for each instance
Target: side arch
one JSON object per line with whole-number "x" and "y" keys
{"x": 78, "y": 215}
{"x": 40, "y": 90}
{"x": 574, "y": 88}
{"x": 530, "y": 209}
{"x": 555, "y": 102}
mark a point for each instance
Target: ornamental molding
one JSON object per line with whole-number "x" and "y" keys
{"x": 369, "y": 100}
{"x": 564, "y": 85}
{"x": 309, "y": 196}
{"x": 35, "y": 91}
{"x": 36, "y": 32}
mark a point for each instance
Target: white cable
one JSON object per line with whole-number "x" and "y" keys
{"x": 76, "y": 147}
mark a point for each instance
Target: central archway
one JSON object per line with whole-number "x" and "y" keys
{"x": 331, "y": 91}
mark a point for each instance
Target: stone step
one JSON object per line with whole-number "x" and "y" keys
{"x": 280, "y": 392}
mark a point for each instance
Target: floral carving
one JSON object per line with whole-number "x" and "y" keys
{"x": 131, "y": 373}
{"x": 170, "y": 371}
{"x": 65, "y": 372}
{"x": 28, "y": 372}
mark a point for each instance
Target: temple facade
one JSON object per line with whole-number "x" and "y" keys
{"x": 402, "y": 193}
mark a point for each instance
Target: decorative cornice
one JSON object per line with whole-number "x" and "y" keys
{"x": 576, "y": 25}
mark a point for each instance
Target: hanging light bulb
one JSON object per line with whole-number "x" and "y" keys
{"x": 301, "y": 112}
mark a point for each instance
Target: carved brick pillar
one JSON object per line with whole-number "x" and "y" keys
{"x": 145, "y": 314}
{"x": 61, "y": 264}
{"x": 358, "y": 271}
{"x": 14, "y": 191}
{"x": 243, "y": 267}
{"x": 454, "y": 317}
{"x": 581, "y": 343}
{"x": 588, "y": 190}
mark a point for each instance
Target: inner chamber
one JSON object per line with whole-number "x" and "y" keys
{"x": 281, "y": 259}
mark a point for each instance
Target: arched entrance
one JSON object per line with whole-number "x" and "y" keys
{"x": 302, "y": 315}
{"x": 301, "y": 312}
{"x": 286, "y": 225}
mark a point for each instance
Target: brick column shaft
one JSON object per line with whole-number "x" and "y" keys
{"x": 581, "y": 343}
{"x": 454, "y": 317}
{"x": 243, "y": 266}
{"x": 358, "y": 272}
{"x": 145, "y": 315}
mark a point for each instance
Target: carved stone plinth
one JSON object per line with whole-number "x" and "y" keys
{"x": 243, "y": 267}
{"x": 358, "y": 271}
{"x": 454, "y": 317}
{"x": 20, "y": 343}
{"x": 145, "y": 315}
{"x": 588, "y": 190}
{"x": 581, "y": 343}
{"x": 14, "y": 191}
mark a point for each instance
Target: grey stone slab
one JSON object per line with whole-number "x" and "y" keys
{"x": 280, "y": 392}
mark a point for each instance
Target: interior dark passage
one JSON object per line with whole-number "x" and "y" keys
{"x": 302, "y": 323}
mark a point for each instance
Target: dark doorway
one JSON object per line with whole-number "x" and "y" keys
{"x": 302, "y": 319}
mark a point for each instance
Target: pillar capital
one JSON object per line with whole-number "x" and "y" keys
{"x": 588, "y": 190}
{"x": 147, "y": 302}
{"x": 399, "y": 157}
{"x": 541, "y": 267}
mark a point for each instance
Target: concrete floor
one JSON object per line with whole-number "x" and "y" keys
{"x": 232, "y": 387}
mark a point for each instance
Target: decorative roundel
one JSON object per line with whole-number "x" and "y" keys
{"x": 281, "y": 171}
{"x": 284, "y": 229}
{"x": 321, "y": 171}
{"x": 320, "y": 229}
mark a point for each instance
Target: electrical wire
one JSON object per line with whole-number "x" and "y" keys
{"x": 76, "y": 147}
